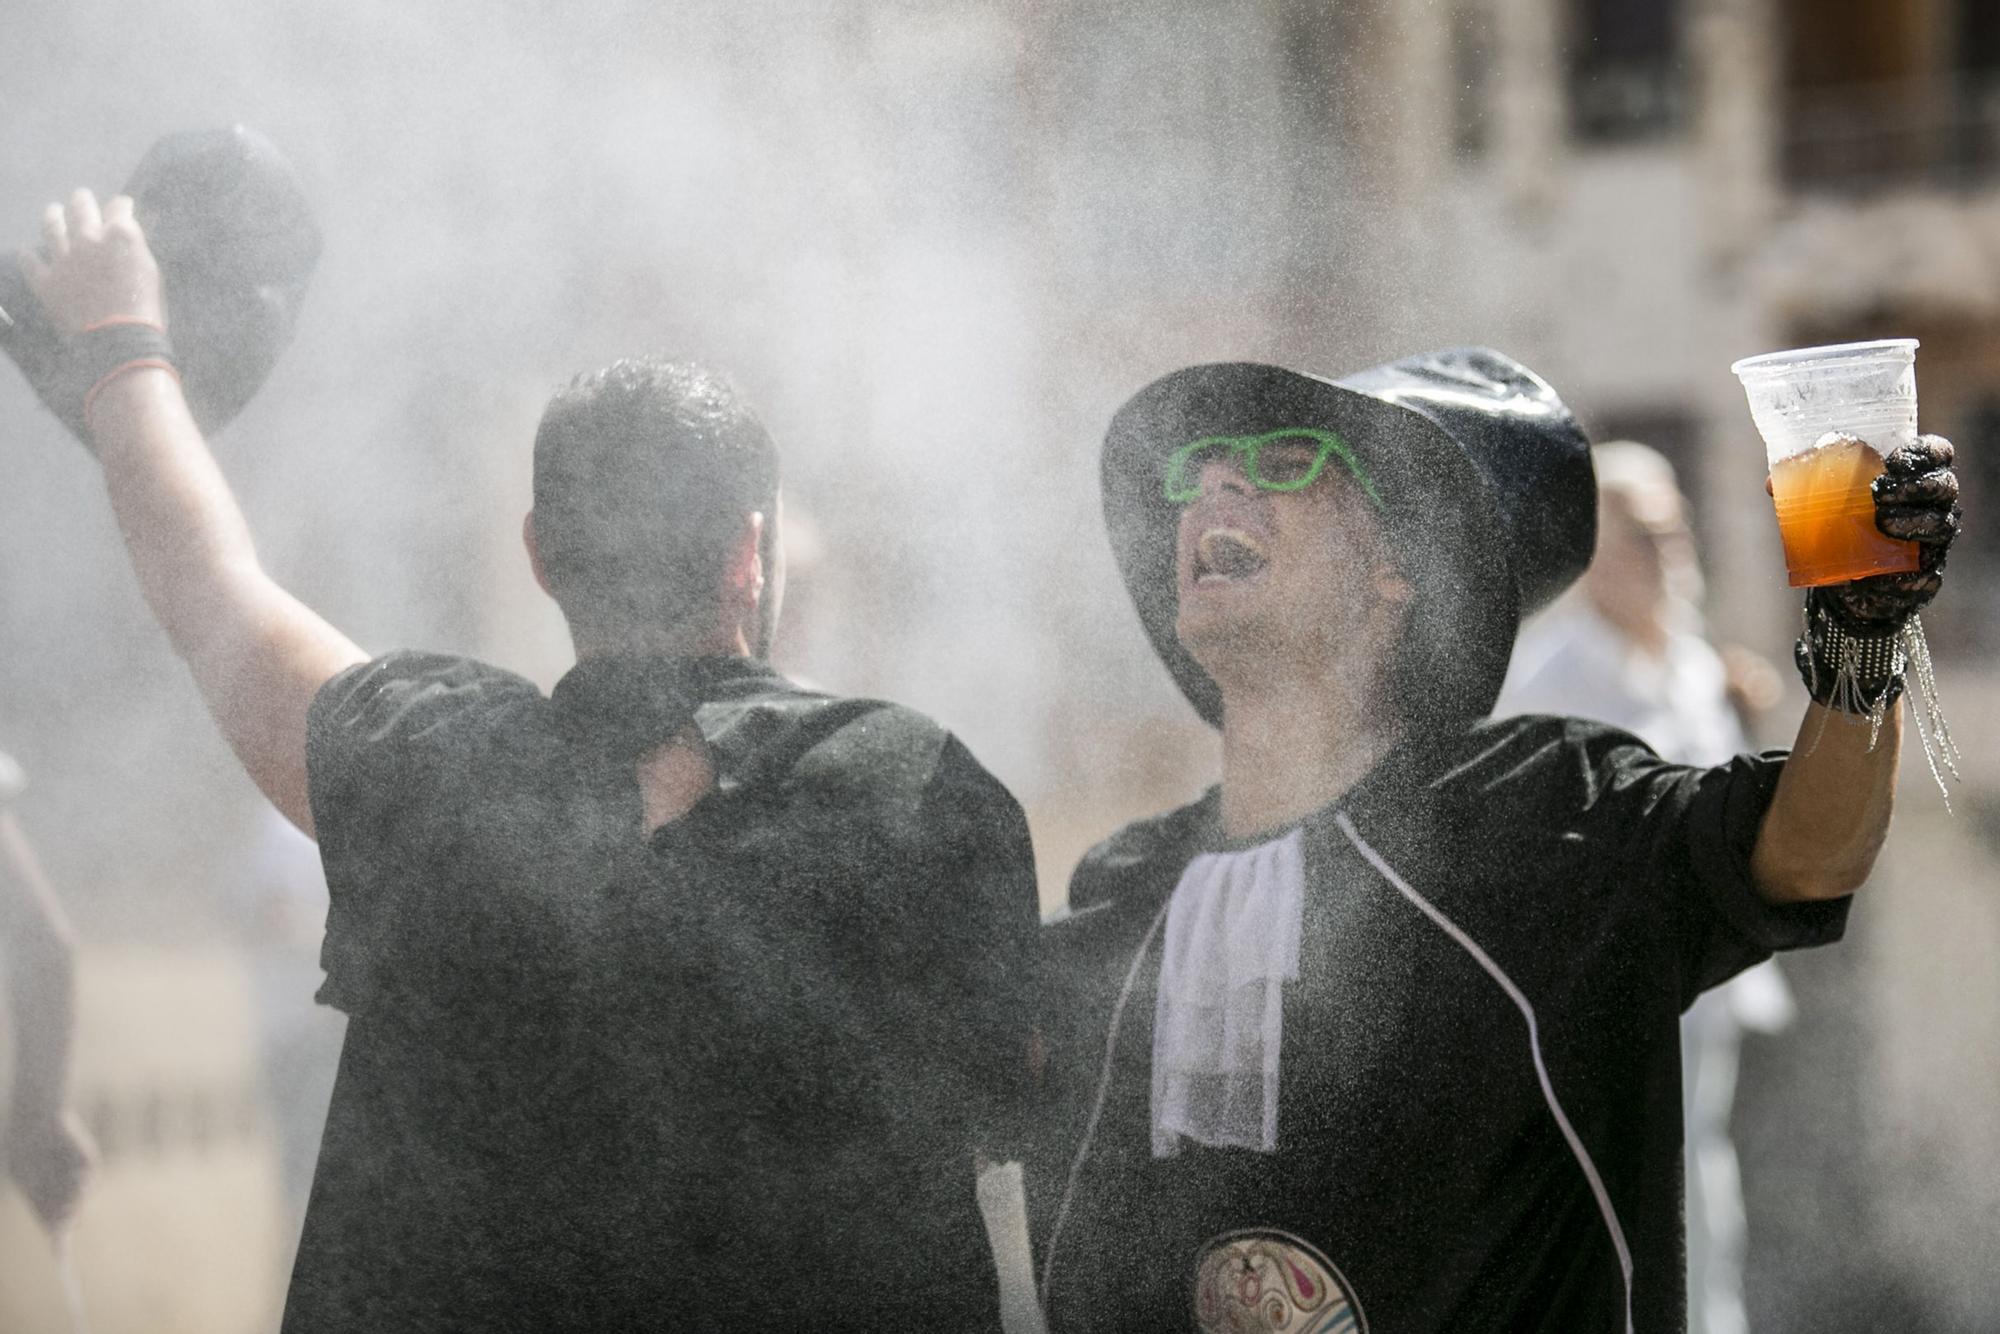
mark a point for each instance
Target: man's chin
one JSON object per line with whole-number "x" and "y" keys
{"x": 1220, "y": 641}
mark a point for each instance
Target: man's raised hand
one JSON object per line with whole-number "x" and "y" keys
{"x": 1916, "y": 499}
{"x": 98, "y": 308}
{"x": 93, "y": 267}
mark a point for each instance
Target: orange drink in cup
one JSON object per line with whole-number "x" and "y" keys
{"x": 1828, "y": 416}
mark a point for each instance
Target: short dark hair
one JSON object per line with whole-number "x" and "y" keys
{"x": 644, "y": 473}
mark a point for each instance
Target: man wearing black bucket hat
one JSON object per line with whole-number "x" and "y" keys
{"x": 680, "y": 999}
{"x": 1381, "y": 1032}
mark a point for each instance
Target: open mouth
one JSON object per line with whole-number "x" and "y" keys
{"x": 1224, "y": 554}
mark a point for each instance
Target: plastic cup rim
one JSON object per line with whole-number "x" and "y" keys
{"x": 1789, "y": 359}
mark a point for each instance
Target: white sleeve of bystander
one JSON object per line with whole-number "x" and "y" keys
{"x": 1003, "y": 1204}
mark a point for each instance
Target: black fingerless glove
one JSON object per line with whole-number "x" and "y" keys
{"x": 66, "y": 373}
{"x": 1853, "y": 653}
{"x": 1863, "y": 639}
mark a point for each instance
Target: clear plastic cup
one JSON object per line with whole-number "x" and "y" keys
{"x": 1810, "y": 404}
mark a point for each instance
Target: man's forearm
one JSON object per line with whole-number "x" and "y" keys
{"x": 1828, "y": 819}
{"x": 190, "y": 546}
{"x": 256, "y": 653}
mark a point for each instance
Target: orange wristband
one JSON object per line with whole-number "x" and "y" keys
{"x": 119, "y": 321}
{"x": 142, "y": 363}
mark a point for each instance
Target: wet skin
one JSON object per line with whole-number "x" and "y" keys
{"x": 1275, "y": 580}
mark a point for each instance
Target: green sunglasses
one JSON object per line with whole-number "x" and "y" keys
{"x": 1285, "y": 470}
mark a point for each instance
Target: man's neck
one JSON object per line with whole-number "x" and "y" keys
{"x": 678, "y": 773}
{"x": 1293, "y": 745}
{"x": 668, "y": 642}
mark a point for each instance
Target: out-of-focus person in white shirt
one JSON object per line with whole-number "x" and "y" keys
{"x": 1626, "y": 647}
{"x": 45, "y": 1153}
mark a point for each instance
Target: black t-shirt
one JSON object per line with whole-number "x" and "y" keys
{"x": 728, "y": 1075}
{"x": 1419, "y": 1165}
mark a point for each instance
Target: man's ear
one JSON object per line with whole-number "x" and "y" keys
{"x": 535, "y": 552}
{"x": 1392, "y": 586}
{"x": 744, "y": 575}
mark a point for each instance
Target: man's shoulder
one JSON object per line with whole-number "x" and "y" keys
{"x": 869, "y": 762}
{"x": 773, "y": 725}
{"x": 1141, "y": 852}
{"x": 1530, "y": 747}
{"x": 413, "y": 705}
{"x": 1545, "y": 797}
{"x": 894, "y": 748}
{"x": 414, "y": 679}
{"x": 864, "y": 730}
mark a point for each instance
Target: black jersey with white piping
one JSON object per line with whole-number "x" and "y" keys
{"x": 1479, "y": 1112}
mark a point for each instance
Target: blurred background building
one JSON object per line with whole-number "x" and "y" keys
{"x": 938, "y": 246}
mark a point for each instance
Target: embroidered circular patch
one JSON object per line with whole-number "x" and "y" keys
{"x": 1259, "y": 1280}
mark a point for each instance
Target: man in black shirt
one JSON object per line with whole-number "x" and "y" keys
{"x": 1381, "y": 1033}
{"x": 681, "y": 999}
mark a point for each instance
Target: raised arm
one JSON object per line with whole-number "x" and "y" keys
{"x": 1830, "y": 815}
{"x": 258, "y": 654}
{"x": 46, "y": 1151}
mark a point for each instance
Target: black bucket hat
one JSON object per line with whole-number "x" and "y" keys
{"x": 1484, "y": 480}
{"x": 228, "y": 220}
